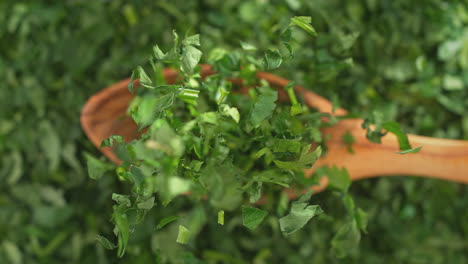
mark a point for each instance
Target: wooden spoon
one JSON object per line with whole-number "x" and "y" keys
{"x": 104, "y": 115}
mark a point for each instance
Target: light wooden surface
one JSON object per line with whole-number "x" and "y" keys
{"x": 105, "y": 114}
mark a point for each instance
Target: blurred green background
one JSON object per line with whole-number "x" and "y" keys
{"x": 407, "y": 59}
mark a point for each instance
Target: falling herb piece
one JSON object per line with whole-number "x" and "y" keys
{"x": 286, "y": 38}
{"x": 412, "y": 150}
{"x": 346, "y": 240}
{"x": 146, "y": 203}
{"x": 247, "y": 46}
{"x": 139, "y": 73}
{"x": 122, "y": 229}
{"x": 362, "y": 219}
{"x": 192, "y": 40}
{"x": 306, "y": 159}
{"x": 230, "y": 111}
{"x": 338, "y": 179}
{"x": 158, "y": 54}
{"x": 183, "y": 236}
{"x": 301, "y": 212}
{"x": 374, "y": 134}
{"x": 96, "y": 168}
{"x": 348, "y": 139}
{"x": 122, "y": 199}
{"x": 264, "y": 106}
{"x": 252, "y": 217}
{"x": 105, "y": 242}
{"x": 272, "y": 59}
{"x": 221, "y": 217}
{"x": 304, "y": 23}
{"x": 405, "y": 146}
{"x": 166, "y": 221}
{"x": 190, "y": 58}
{"x": 110, "y": 141}
{"x": 296, "y": 107}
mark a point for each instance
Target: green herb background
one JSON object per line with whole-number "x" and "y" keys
{"x": 405, "y": 59}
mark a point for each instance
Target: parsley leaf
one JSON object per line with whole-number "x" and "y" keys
{"x": 304, "y": 23}
{"x": 184, "y": 235}
{"x": 252, "y": 217}
{"x": 301, "y": 212}
{"x": 394, "y": 128}
{"x": 96, "y": 168}
{"x": 272, "y": 59}
{"x": 305, "y": 160}
{"x": 263, "y": 106}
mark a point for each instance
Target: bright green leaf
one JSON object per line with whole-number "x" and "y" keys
{"x": 190, "y": 58}
{"x": 301, "y": 212}
{"x": 122, "y": 199}
{"x": 247, "y": 46}
{"x": 123, "y": 231}
{"x": 362, "y": 219}
{"x": 221, "y": 217}
{"x": 304, "y": 23}
{"x": 139, "y": 73}
{"x": 166, "y": 221}
{"x": 394, "y": 128}
{"x": 230, "y": 111}
{"x": 183, "y": 236}
{"x": 146, "y": 204}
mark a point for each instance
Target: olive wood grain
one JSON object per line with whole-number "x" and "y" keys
{"x": 104, "y": 115}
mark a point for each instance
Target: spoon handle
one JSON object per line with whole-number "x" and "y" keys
{"x": 439, "y": 158}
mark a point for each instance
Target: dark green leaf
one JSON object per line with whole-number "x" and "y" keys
{"x": 346, "y": 240}
{"x": 105, "y": 242}
{"x": 136, "y": 175}
{"x": 96, "y": 168}
{"x": 264, "y": 106}
{"x": 252, "y": 217}
{"x": 305, "y": 160}
{"x": 362, "y": 219}
{"x": 348, "y": 139}
{"x": 272, "y": 59}
{"x": 394, "y": 128}
{"x": 139, "y": 73}
{"x": 338, "y": 179}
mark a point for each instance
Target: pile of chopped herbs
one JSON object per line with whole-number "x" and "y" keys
{"x": 207, "y": 138}
{"x": 403, "y": 59}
